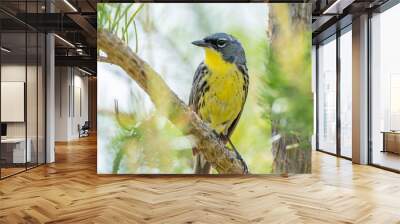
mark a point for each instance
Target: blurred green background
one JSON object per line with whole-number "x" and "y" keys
{"x": 141, "y": 141}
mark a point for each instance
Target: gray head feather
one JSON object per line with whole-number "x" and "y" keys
{"x": 230, "y": 48}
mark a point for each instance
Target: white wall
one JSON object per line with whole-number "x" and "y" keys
{"x": 71, "y": 102}
{"x": 80, "y": 103}
{"x": 11, "y": 73}
{"x": 16, "y": 73}
{"x": 62, "y": 81}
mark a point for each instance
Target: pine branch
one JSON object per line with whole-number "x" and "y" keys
{"x": 221, "y": 158}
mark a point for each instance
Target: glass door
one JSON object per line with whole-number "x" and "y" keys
{"x": 22, "y": 89}
{"x": 14, "y": 153}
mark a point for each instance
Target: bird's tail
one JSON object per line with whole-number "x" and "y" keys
{"x": 201, "y": 166}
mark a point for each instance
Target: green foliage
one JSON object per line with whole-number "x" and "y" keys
{"x": 150, "y": 145}
{"x": 120, "y": 144}
{"x": 287, "y": 98}
{"x": 119, "y": 18}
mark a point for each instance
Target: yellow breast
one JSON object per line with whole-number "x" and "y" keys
{"x": 216, "y": 63}
{"x": 224, "y": 99}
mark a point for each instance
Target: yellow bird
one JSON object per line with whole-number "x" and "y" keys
{"x": 219, "y": 89}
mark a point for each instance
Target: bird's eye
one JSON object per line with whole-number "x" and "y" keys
{"x": 221, "y": 43}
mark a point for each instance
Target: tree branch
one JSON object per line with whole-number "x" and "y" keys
{"x": 221, "y": 157}
{"x": 103, "y": 59}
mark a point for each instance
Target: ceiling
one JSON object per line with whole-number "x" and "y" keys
{"x": 330, "y": 15}
{"x": 74, "y": 22}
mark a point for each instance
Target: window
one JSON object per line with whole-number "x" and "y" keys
{"x": 327, "y": 96}
{"x": 385, "y": 89}
{"x": 346, "y": 93}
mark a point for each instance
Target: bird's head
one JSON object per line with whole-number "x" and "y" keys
{"x": 223, "y": 45}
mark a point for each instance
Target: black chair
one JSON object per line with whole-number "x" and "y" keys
{"x": 84, "y": 130}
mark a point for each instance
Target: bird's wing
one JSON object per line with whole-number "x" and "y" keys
{"x": 198, "y": 86}
{"x": 195, "y": 93}
{"x": 244, "y": 71}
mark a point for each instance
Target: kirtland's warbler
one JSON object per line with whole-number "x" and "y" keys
{"x": 219, "y": 89}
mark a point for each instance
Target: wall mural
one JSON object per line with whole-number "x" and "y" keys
{"x": 204, "y": 88}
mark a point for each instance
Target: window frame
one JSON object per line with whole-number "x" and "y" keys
{"x": 334, "y": 37}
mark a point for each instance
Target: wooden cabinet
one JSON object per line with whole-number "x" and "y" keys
{"x": 391, "y": 142}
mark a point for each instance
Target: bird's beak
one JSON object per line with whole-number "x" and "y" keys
{"x": 200, "y": 43}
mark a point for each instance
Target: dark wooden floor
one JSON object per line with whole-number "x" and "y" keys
{"x": 70, "y": 191}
